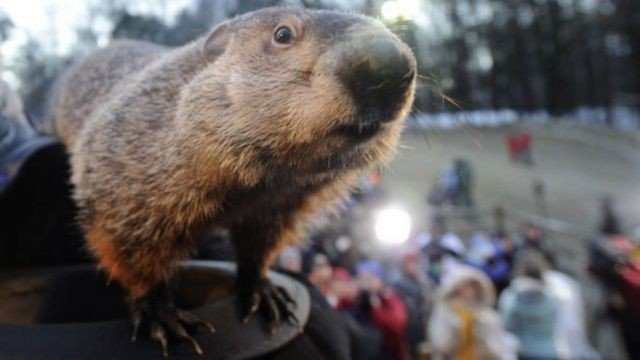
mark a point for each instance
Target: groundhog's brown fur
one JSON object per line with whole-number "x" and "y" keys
{"x": 229, "y": 130}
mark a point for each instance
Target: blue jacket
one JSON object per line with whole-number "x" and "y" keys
{"x": 529, "y": 312}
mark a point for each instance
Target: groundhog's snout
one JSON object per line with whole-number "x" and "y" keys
{"x": 378, "y": 75}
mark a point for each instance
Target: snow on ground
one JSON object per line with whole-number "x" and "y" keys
{"x": 623, "y": 118}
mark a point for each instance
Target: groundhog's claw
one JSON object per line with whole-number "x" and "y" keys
{"x": 157, "y": 333}
{"x": 273, "y": 301}
{"x": 191, "y": 320}
{"x": 165, "y": 321}
{"x": 255, "y": 304}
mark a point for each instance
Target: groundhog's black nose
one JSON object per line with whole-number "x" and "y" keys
{"x": 378, "y": 76}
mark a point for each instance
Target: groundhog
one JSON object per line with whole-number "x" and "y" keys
{"x": 254, "y": 127}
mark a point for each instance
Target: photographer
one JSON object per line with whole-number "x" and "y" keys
{"x": 380, "y": 310}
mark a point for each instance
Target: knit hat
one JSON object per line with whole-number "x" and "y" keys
{"x": 371, "y": 267}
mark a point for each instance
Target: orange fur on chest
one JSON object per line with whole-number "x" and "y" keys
{"x": 136, "y": 275}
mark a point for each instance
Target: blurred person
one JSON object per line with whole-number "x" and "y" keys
{"x": 609, "y": 222}
{"x": 11, "y": 105}
{"x": 327, "y": 335}
{"x": 539, "y": 191}
{"x": 508, "y": 246}
{"x": 345, "y": 289}
{"x": 365, "y": 341}
{"x": 511, "y": 142}
{"x": 463, "y": 194}
{"x": 519, "y": 146}
{"x": 499, "y": 219}
{"x": 39, "y": 217}
{"x": 570, "y": 322}
{"x": 449, "y": 183}
{"x": 415, "y": 290}
{"x": 441, "y": 250}
{"x": 214, "y": 243}
{"x": 606, "y": 255}
{"x": 445, "y": 188}
{"x": 526, "y": 145}
{"x": 15, "y": 147}
{"x": 629, "y": 316}
{"x": 314, "y": 246}
{"x": 290, "y": 259}
{"x": 532, "y": 238}
{"x": 320, "y": 275}
{"x": 18, "y": 139}
{"x": 493, "y": 255}
{"x": 464, "y": 324}
{"x": 615, "y": 261}
{"x": 530, "y": 311}
{"x": 380, "y": 310}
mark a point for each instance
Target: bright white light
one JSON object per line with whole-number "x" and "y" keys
{"x": 392, "y": 226}
{"x": 395, "y": 9}
{"x": 390, "y": 10}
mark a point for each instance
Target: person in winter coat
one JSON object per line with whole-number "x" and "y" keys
{"x": 530, "y": 311}
{"x": 490, "y": 254}
{"x": 532, "y": 238}
{"x": 415, "y": 290}
{"x": 463, "y": 324}
{"x": 18, "y": 140}
{"x": 11, "y": 105}
{"x": 609, "y": 220}
{"x": 464, "y": 194}
{"x": 379, "y": 308}
{"x": 441, "y": 250}
{"x": 39, "y": 218}
{"x": 571, "y": 329}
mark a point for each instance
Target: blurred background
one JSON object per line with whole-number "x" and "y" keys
{"x": 525, "y": 134}
{"x": 560, "y": 57}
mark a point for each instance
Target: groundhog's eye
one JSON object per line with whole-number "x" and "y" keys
{"x": 283, "y": 35}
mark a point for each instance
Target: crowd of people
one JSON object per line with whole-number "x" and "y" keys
{"x": 500, "y": 297}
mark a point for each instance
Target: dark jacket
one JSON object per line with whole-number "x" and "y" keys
{"x": 37, "y": 215}
{"x": 414, "y": 295}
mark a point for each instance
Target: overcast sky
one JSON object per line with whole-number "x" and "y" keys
{"x": 56, "y": 21}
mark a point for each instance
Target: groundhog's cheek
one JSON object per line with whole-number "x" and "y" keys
{"x": 308, "y": 119}
{"x": 335, "y": 114}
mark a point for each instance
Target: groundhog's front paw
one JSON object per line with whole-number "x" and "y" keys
{"x": 164, "y": 322}
{"x": 273, "y": 301}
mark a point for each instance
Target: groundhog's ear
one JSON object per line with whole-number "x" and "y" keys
{"x": 216, "y": 42}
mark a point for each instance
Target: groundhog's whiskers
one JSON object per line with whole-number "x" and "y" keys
{"x": 432, "y": 79}
{"x": 419, "y": 127}
{"x": 433, "y": 83}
